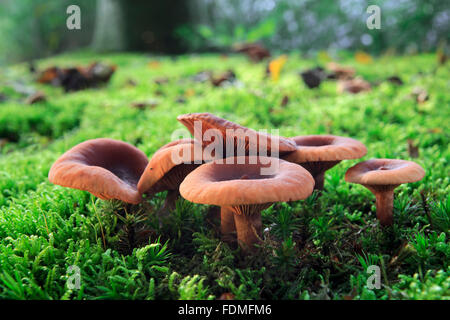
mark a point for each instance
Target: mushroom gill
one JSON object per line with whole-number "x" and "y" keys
{"x": 107, "y": 168}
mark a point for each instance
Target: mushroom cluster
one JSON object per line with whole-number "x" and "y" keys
{"x": 227, "y": 165}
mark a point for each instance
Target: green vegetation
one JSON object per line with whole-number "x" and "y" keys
{"x": 314, "y": 249}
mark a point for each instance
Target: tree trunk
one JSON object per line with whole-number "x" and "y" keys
{"x": 109, "y": 26}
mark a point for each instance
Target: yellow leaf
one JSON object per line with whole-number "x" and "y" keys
{"x": 363, "y": 57}
{"x": 275, "y": 67}
{"x": 189, "y": 92}
{"x": 154, "y": 64}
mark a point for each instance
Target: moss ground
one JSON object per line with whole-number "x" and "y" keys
{"x": 319, "y": 248}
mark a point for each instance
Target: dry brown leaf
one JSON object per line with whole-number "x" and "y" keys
{"x": 353, "y": 86}
{"x": 413, "y": 150}
{"x": 284, "y": 101}
{"x": 227, "y": 296}
{"x": 254, "y": 51}
{"x": 36, "y": 97}
{"x": 341, "y": 72}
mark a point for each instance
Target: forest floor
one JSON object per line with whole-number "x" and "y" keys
{"x": 319, "y": 248}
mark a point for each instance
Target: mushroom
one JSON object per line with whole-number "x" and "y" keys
{"x": 242, "y": 139}
{"x": 381, "y": 177}
{"x": 318, "y": 153}
{"x": 246, "y": 187}
{"x": 167, "y": 169}
{"x": 107, "y": 168}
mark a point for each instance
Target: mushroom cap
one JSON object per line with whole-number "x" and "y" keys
{"x": 384, "y": 172}
{"x": 210, "y": 121}
{"x": 107, "y": 168}
{"x": 314, "y": 148}
{"x": 242, "y": 182}
{"x": 169, "y": 156}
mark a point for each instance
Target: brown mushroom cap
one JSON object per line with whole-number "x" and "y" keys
{"x": 169, "y": 165}
{"x": 210, "y": 121}
{"x": 222, "y": 184}
{"x": 384, "y": 172}
{"x": 316, "y": 148}
{"x": 107, "y": 168}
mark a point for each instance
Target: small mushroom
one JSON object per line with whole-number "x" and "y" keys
{"x": 242, "y": 139}
{"x": 107, "y": 168}
{"x": 381, "y": 177}
{"x": 244, "y": 188}
{"x": 167, "y": 169}
{"x": 318, "y": 153}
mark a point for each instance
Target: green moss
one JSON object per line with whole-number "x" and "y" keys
{"x": 315, "y": 249}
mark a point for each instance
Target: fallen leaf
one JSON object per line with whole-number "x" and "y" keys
{"x": 352, "y": 294}
{"x": 340, "y": 72}
{"x": 435, "y": 130}
{"x": 50, "y": 76}
{"x": 395, "y": 80}
{"x": 275, "y": 67}
{"x": 154, "y": 64}
{"x": 161, "y": 80}
{"x": 313, "y": 77}
{"x": 131, "y": 83}
{"x": 36, "y": 97}
{"x": 3, "y": 142}
{"x": 77, "y": 78}
{"x": 441, "y": 56}
{"x": 227, "y": 296}
{"x": 228, "y": 76}
{"x": 413, "y": 150}
{"x": 284, "y": 101}
{"x": 354, "y": 86}
{"x": 189, "y": 93}
{"x": 363, "y": 57}
{"x": 145, "y": 104}
{"x": 420, "y": 94}
{"x": 254, "y": 51}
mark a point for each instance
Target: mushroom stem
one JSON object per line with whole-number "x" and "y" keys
{"x": 169, "y": 204}
{"x": 227, "y": 225}
{"x": 319, "y": 181}
{"x": 317, "y": 169}
{"x": 385, "y": 206}
{"x": 249, "y": 230}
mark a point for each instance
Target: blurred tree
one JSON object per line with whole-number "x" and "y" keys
{"x": 150, "y": 24}
{"x": 109, "y": 26}
{"x": 311, "y": 25}
{"x": 37, "y": 28}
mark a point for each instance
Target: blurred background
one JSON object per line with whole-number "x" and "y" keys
{"x": 31, "y": 29}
